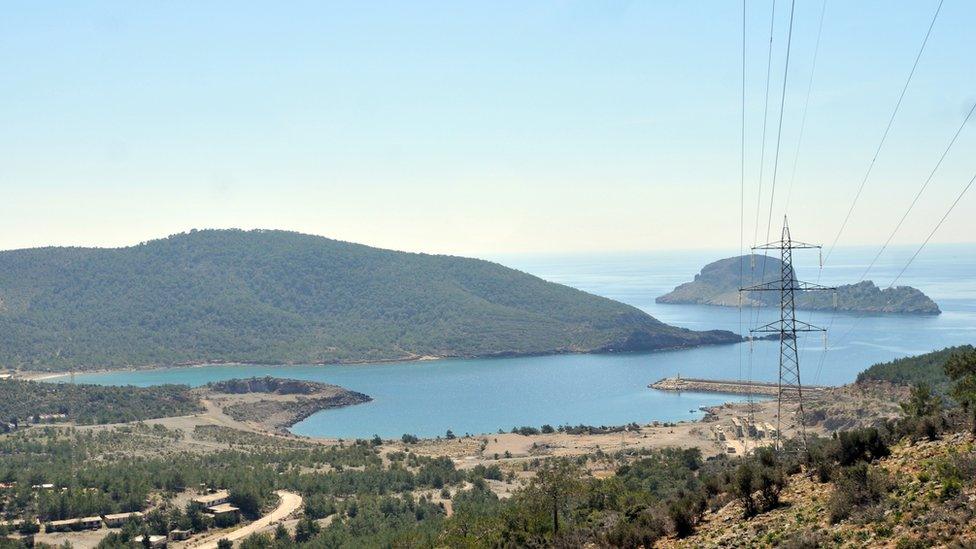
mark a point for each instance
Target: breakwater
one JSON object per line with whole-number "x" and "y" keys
{"x": 723, "y": 386}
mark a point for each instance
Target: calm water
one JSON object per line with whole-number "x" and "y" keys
{"x": 478, "y": 396}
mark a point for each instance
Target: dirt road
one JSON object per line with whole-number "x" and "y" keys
{"x": 290, "y": 502}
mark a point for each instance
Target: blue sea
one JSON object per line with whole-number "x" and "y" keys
{"x": 484, "y": 395}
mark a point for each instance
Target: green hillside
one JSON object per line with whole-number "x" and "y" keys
{"x": 281, "y": 297}
{"x": 925, "y": 368}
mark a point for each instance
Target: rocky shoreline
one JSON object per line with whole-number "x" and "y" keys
{"x": 277, "y": 404}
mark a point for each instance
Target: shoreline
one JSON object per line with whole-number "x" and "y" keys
{"x": 277, "y": 427}
{"x": 43, "y": 375}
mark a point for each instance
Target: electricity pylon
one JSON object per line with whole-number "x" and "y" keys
{"x": 790, "y": 389}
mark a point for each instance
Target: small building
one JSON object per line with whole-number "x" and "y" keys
{"x": 84, "y": 523}
{"x": 217, "y": 498}
{"x": 223, "y": 510}
{"x": 90, "y": 523}
{"x": 737, "y": 427}
{"x": 118, "y": 519}
{"x": 154, "y": 541}
{"x": 180, "y": 535}
{"x": 60, "y": 525}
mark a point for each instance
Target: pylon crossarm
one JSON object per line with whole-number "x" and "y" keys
{"x": 777, "y": 286}
{"x": 772, "y": 285}
{"x": 810, "y": 286}
{"x": 771, "y": 328}
{"x": 778, "y": 326}
{"x": 807, "y": 327}
{"x": 780, "y": 244}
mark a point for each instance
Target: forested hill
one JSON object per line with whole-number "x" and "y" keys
{"x": 928, "y": 368}
{"x": 718, "y": 284}
{"x": 281, "y": 297}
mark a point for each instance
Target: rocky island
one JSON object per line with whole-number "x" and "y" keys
{"x": 718, "y": 284}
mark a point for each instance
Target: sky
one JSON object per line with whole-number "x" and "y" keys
{"x": 479, "y": 127}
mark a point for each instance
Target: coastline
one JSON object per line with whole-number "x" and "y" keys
{"x": 44, "y": 375}
{"x": 47, "y": 375}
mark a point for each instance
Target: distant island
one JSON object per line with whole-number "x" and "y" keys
{"x": 718, "y": 284}
{"x": 276, "y": 297}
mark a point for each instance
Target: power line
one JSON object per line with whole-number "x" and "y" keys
{"x": 884, "y": 136}
{"x": 919, "y": 193}
{"x": 742, "y": 175}
{"x": 915, "y": 199}
{"x": 921, "y": 247}
{"x": 762, "y": 146}
{"x": 782, "y": 109}
{"x": 934, "y": 229}
{"x": 762, "y": 165}
{"x": 779, "y": 135}
{"x": 867, "y": 174}
{"x": 806, "y": 105}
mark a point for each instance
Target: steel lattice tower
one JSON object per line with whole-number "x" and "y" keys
{"x": 790, "y": 388}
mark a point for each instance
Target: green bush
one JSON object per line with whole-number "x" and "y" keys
{"x": 860, "y": 445}
{"x": 856, "y": 487}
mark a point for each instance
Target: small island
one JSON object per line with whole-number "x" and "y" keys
{"x": 718, "y": 284}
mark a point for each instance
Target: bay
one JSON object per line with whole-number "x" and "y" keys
{"x": 427, "y": 398}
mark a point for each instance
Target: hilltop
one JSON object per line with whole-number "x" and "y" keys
{"x": 718, "y": 284}
{"x": 284, "y": 297}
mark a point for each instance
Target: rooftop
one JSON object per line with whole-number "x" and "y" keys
{"x": 222, "y": 508}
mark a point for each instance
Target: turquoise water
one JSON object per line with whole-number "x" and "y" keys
{"x": 484, "y": 395}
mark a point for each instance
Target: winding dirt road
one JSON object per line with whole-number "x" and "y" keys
{"x": 290, "y": 502}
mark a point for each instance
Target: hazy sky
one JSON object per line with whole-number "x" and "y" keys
{"x": 469, "y": 127}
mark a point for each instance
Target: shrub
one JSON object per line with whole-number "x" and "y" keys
{"x": 856, "y": 487}
{"x": 743, "y": 488}
{"x": 771, "y": 483}
{"x": 682, "y": 520}
{"x": 409, "y": 439}
{"x": 638, "y": 527}
{"x": 860, "y": 445}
